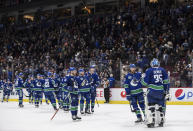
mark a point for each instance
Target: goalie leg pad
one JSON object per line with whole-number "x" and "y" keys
{"x": 160, "y": 115}
{"x": 151, "y": 114}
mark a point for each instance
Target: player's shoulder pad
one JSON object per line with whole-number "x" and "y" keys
{"x": 149, "y": 70}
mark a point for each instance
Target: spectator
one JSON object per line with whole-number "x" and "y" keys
{"x": 105, "y": 40}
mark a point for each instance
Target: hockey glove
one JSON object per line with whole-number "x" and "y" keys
{"x": 167, "y": 96}
{"x": 92, "y": 89}
{"x": 128, "y": 97}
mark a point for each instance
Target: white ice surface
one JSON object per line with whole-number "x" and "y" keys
{"x": 108, "y": 117}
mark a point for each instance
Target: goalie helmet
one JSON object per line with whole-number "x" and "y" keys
{"x": 155, "y": 63}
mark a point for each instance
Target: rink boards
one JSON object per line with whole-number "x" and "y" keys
{"x": 179, "y": 96}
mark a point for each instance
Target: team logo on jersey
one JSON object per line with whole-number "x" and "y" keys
{"x": 38, "y": 84}
{"x": 134, "y": 82}
{"x": 180, "y": 94}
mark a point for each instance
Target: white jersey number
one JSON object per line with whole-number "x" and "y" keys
{"x": 158, "y": 78}
{"x": 47, "y": 84}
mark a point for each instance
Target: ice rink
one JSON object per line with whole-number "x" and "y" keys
{"x": 108, "y": 117}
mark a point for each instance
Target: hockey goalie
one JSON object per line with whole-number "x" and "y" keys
{"x": 157, "y": 82}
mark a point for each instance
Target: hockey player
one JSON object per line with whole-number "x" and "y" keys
{"x": 94, "y": 81}
{"x": 41, "y": 96}
{"x": 29, "y": 85}
{"x": 56, "y": 79}
{"x": 48, "y": 88}
{"x": 37, "y": 88}
{"x": 156, "y": 80}
{"x": 72, "y": 86}
{"x": 84, "y": 89}
{"x": 43, "y": 93}
{"x": 19, "y": 85}
{"x": 8, "y": 87}
{"x": 1, "y": 86}
{"x": 65, "y": 93}
{"x": 134, "y": 91}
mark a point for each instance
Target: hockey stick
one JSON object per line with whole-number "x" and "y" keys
{"x": 167, "y": 96}
{"x": 146, "y": 106}
{"x": 22, "y": 92}
{"x": 59, "y": 108}
{"x": 131, "y": 107}
{"x": 25, "y": 95}
{"x": 97, "y": 102}
{"x": 55, "y": 114}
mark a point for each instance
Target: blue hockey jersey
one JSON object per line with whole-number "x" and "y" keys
{"x": 111, "y": 82}
{"x": 56, "y": 83}
{"x": 37, "y": 85}
{"x": 48, "y": 85}
{"x": 28, "y": 84}
{"x": 156, "y": 79}
{"x": 1, "y": 84}
{"x": 94, "y": 80}
{"x": 132, "y": 84}
{"x": 19, "y": 83}
{"x": 8, "y": 87}
{"x": 63, "y": 84}
{"x": 83, "y": 83}
{"x": 72, "y": 84}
